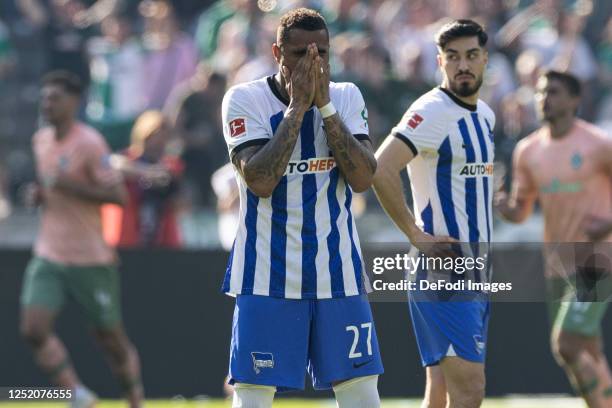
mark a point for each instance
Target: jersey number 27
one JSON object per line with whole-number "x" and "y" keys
{"x": 353, "y": 353}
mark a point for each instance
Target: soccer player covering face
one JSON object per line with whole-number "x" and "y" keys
{"x": 71, "y": 259}
{"x": 567, "y": 166}
{"x": 300, "y": 147}
{"x": 445, "y": 139}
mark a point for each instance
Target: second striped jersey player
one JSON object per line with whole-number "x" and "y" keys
{"x": 445, "y": 139}
{"x": 451, "y": 175}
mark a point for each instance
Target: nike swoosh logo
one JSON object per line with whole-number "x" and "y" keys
{"x": 359, "y": 365}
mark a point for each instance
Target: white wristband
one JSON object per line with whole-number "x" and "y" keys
{"x": 327, "y": 110}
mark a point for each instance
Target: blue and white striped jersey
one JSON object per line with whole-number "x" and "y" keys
{"x": 452, "y": 174}
{"x": 300, "y": 243}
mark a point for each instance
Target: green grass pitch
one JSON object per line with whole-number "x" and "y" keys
{"x": 508, "y": 402}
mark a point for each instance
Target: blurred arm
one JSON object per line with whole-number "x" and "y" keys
{"x": 392, "y": 157}
{"x": 115, "y": 194}
{"x": 517, "y": 206}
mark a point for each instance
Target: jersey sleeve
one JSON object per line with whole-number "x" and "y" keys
{"x": 354, "y": 113}
{"x": 422, "y": 128}
{"x": 242, "y": 127}
{"x": 99, "y": 164}
{"x": 523, "y": 184}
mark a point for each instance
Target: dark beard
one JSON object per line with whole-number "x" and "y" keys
{"x": 463, "y": 89}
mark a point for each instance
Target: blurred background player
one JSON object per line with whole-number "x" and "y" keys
{"x": 443, "y": 133}
{"x": 296, "y": 264}
{"x": 194, "y": 110}
{"x": 152, "y": 176}
{"x": 567, "y": 166}
{"x": 71, "y": 258}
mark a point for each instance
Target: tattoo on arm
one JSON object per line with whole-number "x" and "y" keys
{"x": 354, "y": 158}
{"x": 265, "y": 165}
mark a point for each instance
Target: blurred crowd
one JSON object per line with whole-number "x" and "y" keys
{"x": 176, "y": 58}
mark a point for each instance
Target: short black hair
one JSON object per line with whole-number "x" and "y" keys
{"x": 66, "y": 79}
{"x": 458, "y": 29}
{"x": 570, "y": 81}
{"x": 302, "y": 18}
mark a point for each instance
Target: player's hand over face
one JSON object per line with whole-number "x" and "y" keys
{"x": 435, "y": 246}
{"x": 322, "y": 82}
{"x": 597, "y": 227}
{"x": 301, "y": 81}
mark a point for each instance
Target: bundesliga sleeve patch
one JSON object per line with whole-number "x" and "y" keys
{"x": 237, "y": 127}
{"x": 415, "y": 120}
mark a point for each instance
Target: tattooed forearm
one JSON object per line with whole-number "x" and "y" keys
{"x": 263, "y": 166}
{"x": 269, "y": 164}
{"x": 355, "y": 159}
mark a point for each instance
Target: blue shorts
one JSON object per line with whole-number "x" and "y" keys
{"x": 445, "y": 328}
{"x": 275, "y": 341}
